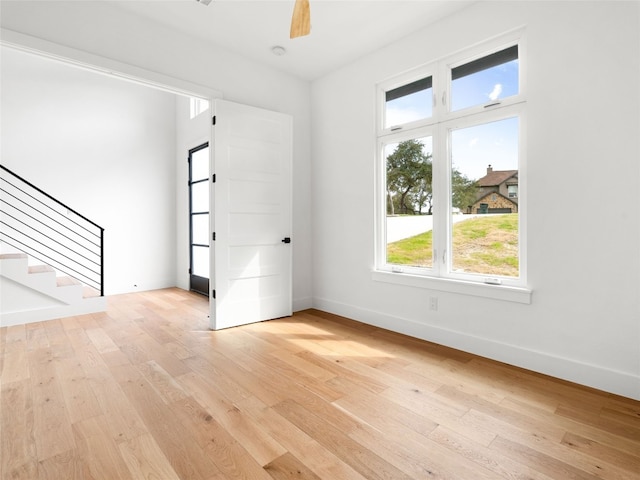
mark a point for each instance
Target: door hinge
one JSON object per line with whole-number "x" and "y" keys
{"x": 213, "y": 120}
{"x": 213, "y": 293}
{"x": 213, "y": 178}
{"x": 213, "y": 237}
{"x": 189, "y": 271}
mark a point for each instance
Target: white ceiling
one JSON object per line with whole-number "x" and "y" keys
{"x": 341, "y": 30}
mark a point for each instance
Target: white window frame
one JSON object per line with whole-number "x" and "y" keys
{"x": 439, "y": 125}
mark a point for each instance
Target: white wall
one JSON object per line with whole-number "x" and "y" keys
{"x": 105, "y": 147}
{"x": 101, "y": 29}
{"x": 584, "y": 181}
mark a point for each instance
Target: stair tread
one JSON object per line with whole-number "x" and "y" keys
{"x": 40, "y": 269}
{"x": 66, "y": 281}
{"x": 12, "y": 256}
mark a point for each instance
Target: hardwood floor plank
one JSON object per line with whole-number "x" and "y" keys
{"x": 539, "y": 461}
{"x": 623, "y": 429}
{"x": 288, "y": 467}
{"x": 219, "y": 446}
{"x": 603, "y": 437}
{"x": 612, "y": 456}
{"x": 185, "y": 455}
{"x": 419, "y": 457}
{"x": 79, "y": 398}
{"x": 51, "y": 424}
{"x": 145, "y": 460}
{"x": 13, "y": 366}
{"x": 501, "y": 413}
{"x": 165, "y": 385}
{"x": 500, "y": 464}
{"x": 262, "y": 447}
{"x": 68, "y": 465}
{"x": 379, "y": 412}
{"x": 321, "y": 461}
{"x": 364, "y": 461}
{"x": 146, "y": 390}
{"x": 58, "y": 340}
{"x": 101, "y": 340}
{"x": 36, "y": 336}
{"x": 18, "y": 455}
{"x": 218, "y": 371}
{"x": 98, "y": 450}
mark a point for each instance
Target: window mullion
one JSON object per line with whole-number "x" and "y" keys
{"x": 441, "y": 202}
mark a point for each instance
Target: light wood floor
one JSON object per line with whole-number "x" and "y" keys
{"x": 146, "y": 391}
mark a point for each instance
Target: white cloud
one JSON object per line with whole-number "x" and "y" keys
{"x": 497, "y": 90}
{"x": 473, "y": 142}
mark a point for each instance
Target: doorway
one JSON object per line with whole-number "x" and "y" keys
{"x": 199, "y": 251}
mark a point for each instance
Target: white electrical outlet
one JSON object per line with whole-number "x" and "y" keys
{"x": 433, "y": 303}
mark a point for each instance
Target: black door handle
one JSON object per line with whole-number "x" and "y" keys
{"x": 286, "y": 240}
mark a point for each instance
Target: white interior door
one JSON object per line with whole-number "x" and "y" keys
{"x": 252, "y": 215}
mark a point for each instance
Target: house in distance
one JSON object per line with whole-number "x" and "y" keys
{"x": 497, "y": 192}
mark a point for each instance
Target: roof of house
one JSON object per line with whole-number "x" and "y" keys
{"x": 496, "y": 177}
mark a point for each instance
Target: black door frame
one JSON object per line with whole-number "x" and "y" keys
{"x": 197, "y": 283}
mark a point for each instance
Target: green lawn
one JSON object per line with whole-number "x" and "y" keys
{"x": 486, "y": 245}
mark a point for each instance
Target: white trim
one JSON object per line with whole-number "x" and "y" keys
{"x": 618, "y": 382}
{"x": 477, "y": 289}
{"x": 103, "y": 65}
{"x": 83, "y": 307}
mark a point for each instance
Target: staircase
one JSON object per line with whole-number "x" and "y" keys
{"x": 51, "y": 257}
{"x": 35, "y": 293}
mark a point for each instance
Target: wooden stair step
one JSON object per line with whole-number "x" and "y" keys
{"x": 12, "y": 256}
{"x": 40, "y": 269}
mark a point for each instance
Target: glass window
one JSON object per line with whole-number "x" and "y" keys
{"x": 486, "y": 241}
{"x": 200, "y": 229}
{"x": 486, "y": 80}
{"x": 200, "y": 165}
{"x": 449, "y": 203}
{"x": 200, "y": 197}
{"x": 409, "y": 202}
{"x": 197, "y": 106}
{"x": 409, "y": 103}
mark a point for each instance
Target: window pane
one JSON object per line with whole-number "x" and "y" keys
{"x": 200, "y": 229}
{"x": 485, "y": 213}
{"x": 200, "y": 197}
{"x": 408, "y": 103}
{"x": 200, "y": 164}
{"x": 485, "y": 80}
{"x": 197, "y": 106}
{"x": 200, "y": 257}
{"x": 409, "y": 195}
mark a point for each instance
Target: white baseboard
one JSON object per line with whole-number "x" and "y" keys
{"x": 83, "y": 307}
{"x": 303, "y": 303}
{"x": 602, "y": 378}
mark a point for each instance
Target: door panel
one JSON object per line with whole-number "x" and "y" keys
{"x": 253, "y": 215}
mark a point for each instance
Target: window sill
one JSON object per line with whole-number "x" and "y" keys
{"x": 496, "y": 292}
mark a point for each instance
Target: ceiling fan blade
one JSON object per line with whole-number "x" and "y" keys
{"x": 301, "y": 20}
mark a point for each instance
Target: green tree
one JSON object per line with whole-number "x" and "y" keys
{"x": 464, "y": 190}
{"x": 409, "y": 178}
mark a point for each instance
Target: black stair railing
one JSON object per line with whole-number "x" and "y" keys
{"x": 41, "y": 226}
